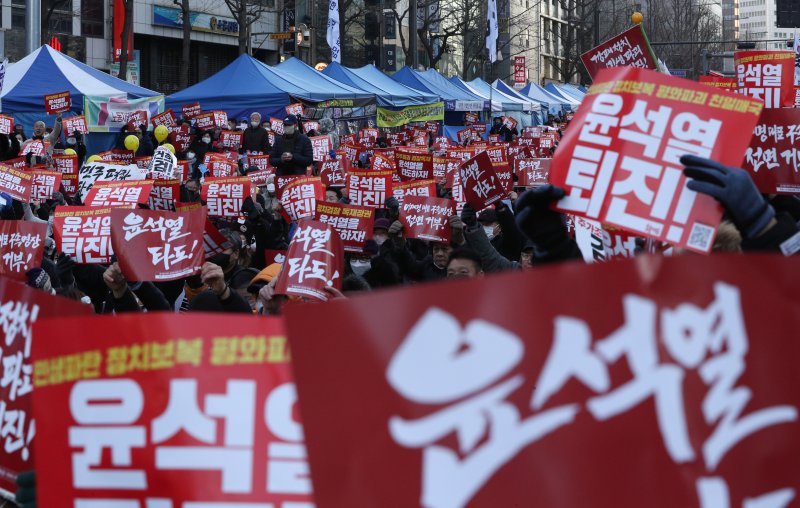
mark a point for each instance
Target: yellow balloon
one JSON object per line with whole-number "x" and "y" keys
{"x": 168, "y": 146}
{"x": 70, "y": 151}
{"x": 93, "y": 158}
{"x": 637, "y": 18}
{"x": 132, "y": 143}
{"x": 161, "y": 133}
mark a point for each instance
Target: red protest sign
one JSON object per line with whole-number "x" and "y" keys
{"x": 366, "y": 187}
{"x": 315, "y": 260}
{"x": 729, "y": 84}
{"x": 167, "y": 119}
{"x": 532, "y": 172}
{"x": 332, "y": 174}
{"x": 766, "y": 75}
{"x": 135, "y": 119}
{"x": 180, "y": 138}
{"x": 321, "y": 145}
{"x": 6, "y": 124}
{"x": 369, "y": 135}
{"x": 118, "y": 156}
{"x": 532, "y": 131}
{"x": 493, "y": 138}
{"x": 432, "y": 126}
{"x": 16, "y": 183}
{"x": 69, "y": 184}
{"x": 143, "y": 162}
{"x": 295, "y": 109}
{"x": 67, "y": 164}
{"x": 523, "y": 399}
{"x": 310, "y": 125}
{"x": 220, "y": 167}
{"x": 34, "y": 147}
{"x": 422, "y": 188}
{"x": 18, "y": 162}
{"x": 299, "y": 197}
{"x": 353, "y": 223}
{"x": 161, "y": 245}
{"x": 83, "y": 232}
{"x": 259, "y": 161}
{"x": 225, "y": 196}
{"x": 20, "y": 307}
{"x": 21, "y": 247}
{"x": 628, "y": 49}
{"x": 44, "y": 184}
{"x": 204, "y": 121}
{"x": 57, "y": 103}
{"x": 426, "y": 218}
{"x": 75, "y": 124}
{"x": 261, "y": 177}
{"x": 470, "y": 118}
{"x": 466, "y": 135}
{"x": 163, "y": 375}
{"x": 619, "y": 161}
{"x": 414, "y": 166}
{"x": 231, "y": 140}
{"x": 439, "y": 166}
{"x": 164, "y": 194}
{"x": 191, "y": 110}
{"x": 127, "y": 194}
{"x": 380, "y": 161}
{"x": 276, "y": 125}
{"x": 480, "y": 183}
{"x": 510, "y": 122}
{"x": 773, "y": 158}
{"x": 220, "y": 119}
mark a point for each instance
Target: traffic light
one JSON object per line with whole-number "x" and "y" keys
{"x": 746, "y": 45}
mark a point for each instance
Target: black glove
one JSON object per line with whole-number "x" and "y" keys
{"x": 544, "y": 227}
{"x": 734, "y": 189}
{"x": 26, "y": 494}
{"x": 468, "y": 216}
{"x": 64, "y": 266}
{"x": 393, "y": 206}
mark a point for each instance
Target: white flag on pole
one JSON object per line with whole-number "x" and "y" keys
{"x": 333, "y": 31}
{"x": 491, "y": 30}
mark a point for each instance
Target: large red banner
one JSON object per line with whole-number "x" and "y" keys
{"x": 84, "y": 233}
{"x": 176, "y": 411}
{"x": 315, "y": 260}
{"x": 16, "y": 183}
{"x": 353, "y": 223}
{"x": 480, "y": 182}
{"x": 366, "y": 187}
{"x": 21, "y": 247}
{"x": 300, "y": 196}
{"x": 427, "y": 218}
{"x": 493, "y": 393}
{"x": 628, "y": 49}
{"x": 773, "y": 158}
{"x": 619, "y": 160}
{"x": 159, "y": 245}
{"x": 20, "y": 307}
{"x": 225, "y": 196}
{"x": 766, "y": 75}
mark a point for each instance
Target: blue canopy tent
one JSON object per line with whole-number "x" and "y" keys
{"x": 47, "y": 71}
{"x": 555, "y": 90}
{"x": 388, "y": 92}
{"x": 503, "y": 104}
{"x": 529, "y": 108}
{"x": 539, "y": 115}
{"x": 572, "y": 91}
{"x": 555, "y": 105}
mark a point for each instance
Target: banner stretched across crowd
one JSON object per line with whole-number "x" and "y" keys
{"x": 235, "y": 311}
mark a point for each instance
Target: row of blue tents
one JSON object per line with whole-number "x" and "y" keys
{"x": 248, "y": 85}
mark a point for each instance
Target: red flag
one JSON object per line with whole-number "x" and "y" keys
{"x": 83, "y": 232}
{"x": 225, "y": 196}
{"x": 628, "y": 49}
{"x": 206, "y": 405}
{"x": 528, "y": 400}
{"x": 426, "y": 218}
{"x": 159, "y": 245}
{"x": 773, "y": 158}
{"x": 21, "y": 247}
{"x": 353, "y": 223}
{"x": 766, "y": 75}
{"x": 480, "y": 183}
{"x": 619, "y": 161}
{"x": 315, "y": 260}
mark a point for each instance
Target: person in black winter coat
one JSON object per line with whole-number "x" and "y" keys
{"x": 292, "y": 152}
{"x": 256, "y": 137}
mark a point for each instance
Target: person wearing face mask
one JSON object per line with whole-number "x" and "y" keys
{"x": 40, "y": 133}
{"x": 380, "y": 231}
{"x": 75, "y": 141}
{"x": 292, "y": 152}
{"x": 256, "y": 137}
{"x": 199, "y": 147}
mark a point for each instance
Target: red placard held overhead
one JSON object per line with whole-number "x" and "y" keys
{"x": 480, "y": 182}
{"x": 83, "y": 232}
{"x": 295, "y": 109}
{"x": 619, "y": 160}
{"x": 628, "y": 49}
{"x": 44, "y": 184}
{"x": 164, "y": 194}
{"x": 414, "y": 166}
{"x": 332, "y": 174}
{"x": 766, "y": 75}
{"x": 225, "y": 196}
{"x": 423, "y": 188}
{"x": 191, "y": 111}
{"x": 773, "y": 157}
{"x": 427, "y": 218}
{"x": 159, "y": 245}
{"x": 16, "y": 183}
{"x": 315, "y": 260}
{"x": 528, "y": 400}
{"x": 532, "y": 172}
{"x": 66, "y": 164}
{"x": 57, "y": 103}
{"x": 6, "y": 124}
{"x": 21, "y": 247}
{"x": 206, "y": 406}
{"x": 321, "y": 145}
{"x": 353, "y": 223}
{"x": 300, "y": 196}
{"x": 125, "y": 194}
{"x": 75, "y": 124}
{"x": 366, "y": 187}
{"x": 231, "y": 140}
{"x": 167, "y": 119}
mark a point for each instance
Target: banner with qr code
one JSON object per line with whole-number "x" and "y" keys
{"x": 628, "y": 49}
{"x": 619, "y": 160}
{"x": 773, "y": 157}
{"x": 176, "y": 411}
{"x": 767, "y": 76}
{"x": 20, "y": 307}
{"x": 529, "y": 400}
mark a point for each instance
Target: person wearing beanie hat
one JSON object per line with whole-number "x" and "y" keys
{"x": 380, "y": 231}
{"x": 292, "y": 152}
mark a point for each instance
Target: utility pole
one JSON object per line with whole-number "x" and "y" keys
{"x": 33, "y": 25}
{"x": 412, "y": 28}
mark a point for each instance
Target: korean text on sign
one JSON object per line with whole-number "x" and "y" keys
{"x": 84, "y": 233}
{"x": 225, "y": 196}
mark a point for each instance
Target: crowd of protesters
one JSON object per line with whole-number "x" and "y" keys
{"x": 517, "y": 233}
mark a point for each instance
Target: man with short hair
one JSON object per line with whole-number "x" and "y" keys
{"x": 464, "y": 263}
{"x": 292, "y": 152}
{"x": 40, "y": 134}
{"x": 256, "y": 137}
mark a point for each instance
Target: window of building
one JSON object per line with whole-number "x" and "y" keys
{"x": 92, "y": 18}
{"x": 18, "y": 14}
